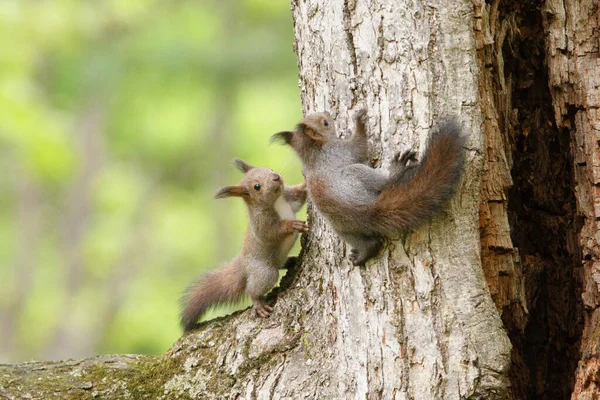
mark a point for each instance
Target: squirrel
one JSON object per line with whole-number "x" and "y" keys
{"x": 368, "y": 206}
{"x": 272, "y": 231}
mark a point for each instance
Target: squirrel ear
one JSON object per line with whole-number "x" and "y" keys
{"x": 306, "y": 129}
{"x": 231, "y": 191}
{"x": 311, "y": 133}
{"x": 284, "y": 137}
{"x": 242, "y": 165}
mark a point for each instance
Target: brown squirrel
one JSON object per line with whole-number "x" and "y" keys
{"x": 272, "y": 231}
{"x": 366, "y": 206}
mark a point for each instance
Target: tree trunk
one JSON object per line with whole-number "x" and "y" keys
{"x": 540, "y": 94}
{"x": 573, "y": 53}
{"x": 429, "y": 318}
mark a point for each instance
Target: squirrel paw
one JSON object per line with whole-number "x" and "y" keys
{"x": 356, "y": 259}
{"x": 296, "y": 226}
{"x": 262, "y": 309}
{"x": 371, "y": 247}
{"x": 407, "y": 156}
{"x": 399, "y": 165}
{"x": 361, "y": 115}
{"x": 290, "y": 262}
{"x": 404, "y": 158}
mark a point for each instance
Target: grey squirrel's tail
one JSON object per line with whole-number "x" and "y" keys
{"x": 409, "y": 203}
{"x": 224, "y": 285}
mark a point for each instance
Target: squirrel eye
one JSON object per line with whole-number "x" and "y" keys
{"x": 325, "y": 122}
{"x": 257, "y": 187}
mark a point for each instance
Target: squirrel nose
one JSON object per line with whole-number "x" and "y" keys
{"x": 276, "y": 178}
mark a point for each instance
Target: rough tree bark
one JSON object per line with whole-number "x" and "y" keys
{"x": 573, "y": 52}
{"x": 540, "y": 91}
{"x": 422, "y": 320}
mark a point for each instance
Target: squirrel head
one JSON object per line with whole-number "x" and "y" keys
{"x": 260, "y": 186}
{"x": 313, "y": 132}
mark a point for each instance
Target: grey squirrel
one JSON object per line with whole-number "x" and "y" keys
{"x": 272, "y": 231}
{"x": 366, "y": 206}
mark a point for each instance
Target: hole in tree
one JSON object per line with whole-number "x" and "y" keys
{"x": 542, "y": 216}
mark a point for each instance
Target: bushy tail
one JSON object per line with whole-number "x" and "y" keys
{"x": 224, "y": 285}
{"x": 409, "y": 203}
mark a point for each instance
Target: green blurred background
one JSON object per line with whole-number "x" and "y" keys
{"x": 118, "y": 121}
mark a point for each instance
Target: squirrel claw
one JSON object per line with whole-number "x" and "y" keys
{"x": 361, "y": 115}
{"x": 404, "y": 158}
{"x": 262, "y": 310}
{"x": 300, "y": 226}
{"x": 400, "y": 166}
{"x": 355, "y": 258}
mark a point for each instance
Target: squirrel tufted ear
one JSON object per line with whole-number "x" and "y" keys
{"x": 242, "y": 165}
{"x": 231, "y": 191}
{"x": 284, "y": 137}
{"x": 310, "y": 132}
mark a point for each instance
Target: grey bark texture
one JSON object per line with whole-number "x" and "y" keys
{"x": 418, "y": 322}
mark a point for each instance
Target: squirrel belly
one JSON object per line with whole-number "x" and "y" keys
{"x": 285, "y": 212}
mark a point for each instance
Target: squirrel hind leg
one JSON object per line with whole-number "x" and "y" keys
{"x": 261, "y": 308}
{"x": 261, "y": 279}
{"x": 364, "y": 248}
{"x": 400, "y": 168}
{"x": 290, "y": 262}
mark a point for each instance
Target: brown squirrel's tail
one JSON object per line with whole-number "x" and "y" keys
{"x": 224, "y": 285}
{"x": 409, "y": 203}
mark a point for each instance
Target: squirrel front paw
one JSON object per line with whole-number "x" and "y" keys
{"x": 361, "y": 116}
{"x": 293, "y": 226}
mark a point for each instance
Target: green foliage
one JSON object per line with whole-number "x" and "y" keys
{"x": 118, "y": 120}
